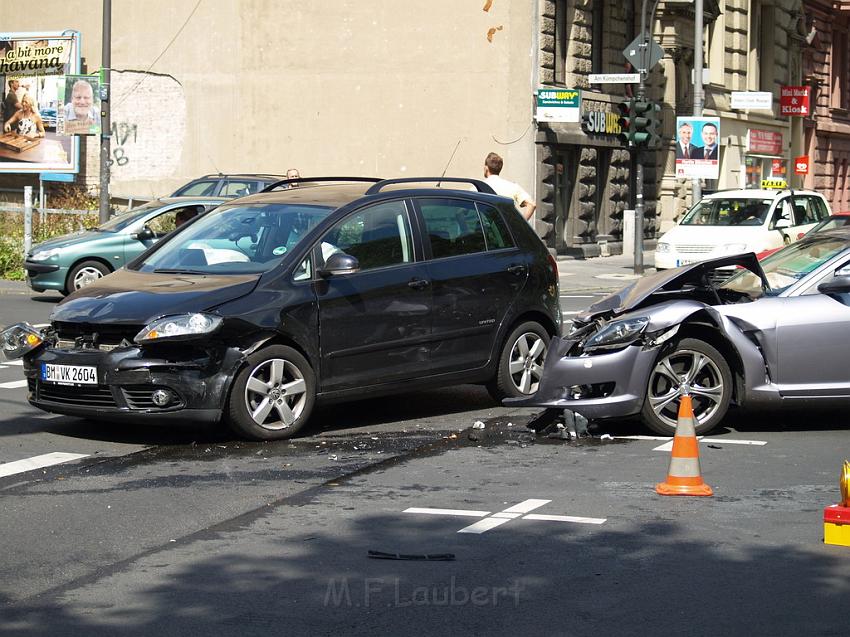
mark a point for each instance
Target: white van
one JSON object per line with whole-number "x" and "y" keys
{"x": 735, "y": 221}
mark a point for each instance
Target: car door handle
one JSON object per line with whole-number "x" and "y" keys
{"x": 419, "y": 284}
{"x": 517, "y": 269}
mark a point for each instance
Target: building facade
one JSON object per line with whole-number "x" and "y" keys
{"x": 361, "y": 88}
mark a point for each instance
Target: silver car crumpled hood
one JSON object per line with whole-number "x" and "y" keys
{"x": 638, "y": 293}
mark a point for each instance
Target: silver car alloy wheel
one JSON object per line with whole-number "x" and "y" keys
{"x": 275, "y": 394}
{"x": 685, "y": 371}
{"x": 526, "y": 366}
{"x": 86, "y": 276}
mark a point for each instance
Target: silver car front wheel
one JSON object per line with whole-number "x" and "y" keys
{"x": 692, "y": 367}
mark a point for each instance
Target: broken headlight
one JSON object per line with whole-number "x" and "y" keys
{"x": 181, "y": 327}
{"x": 19, "y": 339}
{"x": 617, "y": 334}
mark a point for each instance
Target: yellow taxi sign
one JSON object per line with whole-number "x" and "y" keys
{"x": 768, "y": 184}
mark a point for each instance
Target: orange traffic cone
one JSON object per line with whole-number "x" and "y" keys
{"x": 683, "y": 477}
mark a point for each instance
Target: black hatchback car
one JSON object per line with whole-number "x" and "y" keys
{"x": 339, "y": 289}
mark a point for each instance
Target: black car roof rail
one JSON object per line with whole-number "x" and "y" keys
{"x": 283, "y": 182}
{"x": 479, "y": 185}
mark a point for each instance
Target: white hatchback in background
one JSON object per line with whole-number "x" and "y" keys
{"x": 735, "y": 221}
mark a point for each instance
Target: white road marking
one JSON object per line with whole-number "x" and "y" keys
{"x": 578, "y": 296}
{"x": 668, "y": 446}
{"x": 484, "y": 525}
{"x": 37, "y": 462}
{"x": 17, "y": 362}
{"x": 526, "y": 505}
{"x": 571, "y": 313}
{"x": 565, "y": 518}
{"x": 14, "y": 384}
{"x": 48, "y": 416}
{"x": 502, "y": 517}
{"x": 472, "y": 514}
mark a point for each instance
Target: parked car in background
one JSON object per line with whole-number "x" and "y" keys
{"x": 72, "y": 261}
{"x": 738, "y": 221}
{"x": 330, "y": 291}
{"x": 226, "y": 185}
{"x": 837, "y": 220}
{"x": 48, "y": 117}
{"x": 773, "y": 335}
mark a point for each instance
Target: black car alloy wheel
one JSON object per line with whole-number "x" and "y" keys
{"x": 273, "y": 395}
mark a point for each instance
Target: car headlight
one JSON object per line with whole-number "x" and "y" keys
{"x": 181, "y": 327}
{"x": 44, "y": 255}
{"x": 19, "y": 339}
{"x": 662, "y": 247}
{"x": 618, "y": 333}
{"x": 735, "y": 248}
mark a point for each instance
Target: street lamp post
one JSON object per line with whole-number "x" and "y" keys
{"x": 105, "y": 125}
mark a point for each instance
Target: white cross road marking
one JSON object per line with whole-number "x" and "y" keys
{"x": 14, "y": 384}
{"x": 37, "y": 462}
{"x": 17, "y": 363}
{"x": 499, "y": 518}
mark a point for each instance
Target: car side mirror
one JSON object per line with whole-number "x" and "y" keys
{"x": 145, "y": 234}
{"x": 782, "y": 223}
{"x": 838, "y": 285}
{"x": 338, "y": 264}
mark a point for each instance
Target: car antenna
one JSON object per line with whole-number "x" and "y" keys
{"x": 450, "y": 160}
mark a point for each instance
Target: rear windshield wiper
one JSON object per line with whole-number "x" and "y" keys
{"x": 178, "y": 271}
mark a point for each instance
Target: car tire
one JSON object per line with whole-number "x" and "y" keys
{"x": 520, "y": 362}
{"x": 83, "y": 274}
{"x": 708, "y": 376}
{"x": 272, "y": 395}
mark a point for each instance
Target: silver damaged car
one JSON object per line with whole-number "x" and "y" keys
{"x": 774, "y": 334}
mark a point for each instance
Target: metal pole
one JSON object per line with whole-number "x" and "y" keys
{"x": 698, "y": 91}
{"x": 105, "y": 125}
{"x": 27, "y": 219}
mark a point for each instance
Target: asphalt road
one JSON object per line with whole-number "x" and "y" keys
{"x": 155, "y": 531}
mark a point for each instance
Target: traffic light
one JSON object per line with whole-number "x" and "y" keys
{"x": 626, "y": 120}
{"x": 647, "y": 124}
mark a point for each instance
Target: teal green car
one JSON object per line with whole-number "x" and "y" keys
{"x": 73, "y": 261}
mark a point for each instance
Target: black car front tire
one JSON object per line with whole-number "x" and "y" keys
{"x": 710, "y": 380}
{"x": 273, "y": 394}
{"x": 521, "y": 362}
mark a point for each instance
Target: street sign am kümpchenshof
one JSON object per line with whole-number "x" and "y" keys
{"x": 614, "y": 78}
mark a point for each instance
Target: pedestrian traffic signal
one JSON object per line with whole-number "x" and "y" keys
{"x": 646, "y": 123}
{"x": 626, "y": 120}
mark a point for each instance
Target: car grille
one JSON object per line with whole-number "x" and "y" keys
{"x": 85, "y": 396}
{"x": 693, "y": 249}
{"x": 106, "y": 334}
{"x": 139, "y": 397}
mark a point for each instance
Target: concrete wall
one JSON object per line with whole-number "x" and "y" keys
{"x": 361, "y": 87}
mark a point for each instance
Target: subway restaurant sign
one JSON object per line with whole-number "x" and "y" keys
{"x": 601, "y": 123}
{"x": 558, "y": 105}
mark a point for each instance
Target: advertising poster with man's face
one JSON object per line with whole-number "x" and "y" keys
{"x": 32, "y": 66}
{"x": 80, "y": 114}
{"x": 698, "y": 147}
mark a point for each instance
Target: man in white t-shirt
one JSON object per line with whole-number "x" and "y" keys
{"x": 522, "y": 200}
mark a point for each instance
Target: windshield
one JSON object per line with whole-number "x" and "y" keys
{"x": 835, "y": 221}
{"x": 124, "y": 219}
{"x": 789, "y": 265}
{"x": 236, "y": 239}
{"x": 728, "y": 212}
